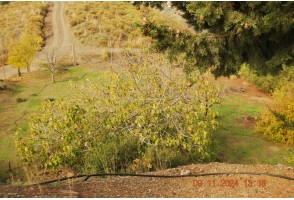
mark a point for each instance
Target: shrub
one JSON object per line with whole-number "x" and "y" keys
{"x": 105, "y": 56}
{"x": 157, "y": 158}
{"x": 112, "y": 153}
{"x": 268, "y": 83}
{"x": 122, "y": 123}
{"x": 3, "y": 86}
{"x": 19, "y": 100}
{"x": 278, "y": 122}
{"x": 50, "y": 99}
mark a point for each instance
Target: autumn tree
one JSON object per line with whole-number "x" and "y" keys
{"x": 229, "y": 34}
{"x": 22, "y": 52}
{"x": 156, "y": 106}
{"x": 277, "y": 123}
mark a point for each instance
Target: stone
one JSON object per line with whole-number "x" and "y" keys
{"x": 69, "y": 192}
{"x": 2, "y": 86}
{"x": 185, "y": 172}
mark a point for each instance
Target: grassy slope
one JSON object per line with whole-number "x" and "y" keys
{"x": 96, "y": 23}
{"x": 36, "y": 88}
{"x": 236, "y": 141}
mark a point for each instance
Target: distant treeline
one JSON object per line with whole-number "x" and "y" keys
{"x": 4, "y": 2}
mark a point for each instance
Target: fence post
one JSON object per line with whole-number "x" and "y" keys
{"x": 111, "y": 59}
{"x": 10, "y": 172}
{"x": 73, "y": 55}
{"x": 4, "y": 71}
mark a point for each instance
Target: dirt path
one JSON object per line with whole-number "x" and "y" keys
{"x": 249, "y": 92}
{"x": 62, "y": 36}
{"x": 206, "y": 186}
{"x": 62, "y": 39}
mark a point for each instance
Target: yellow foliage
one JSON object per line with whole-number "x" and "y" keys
{"x": 23, "y": 52}
{"x": 278, "y": 122}
{"x": 18, "y": 19}
{"x": 141, "y": 104}
{"x": 141, "y": 165}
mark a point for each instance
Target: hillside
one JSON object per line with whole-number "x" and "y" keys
{"x": 114, "y": 24}
{"x": 17, "y": 17}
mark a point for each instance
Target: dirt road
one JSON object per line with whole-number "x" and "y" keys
{"x": 61, "y": 39}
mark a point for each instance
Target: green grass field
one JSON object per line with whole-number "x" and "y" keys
{"x": 236, "y": 141}
{"x": 36, "y": 88}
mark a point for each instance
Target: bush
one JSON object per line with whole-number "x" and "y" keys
{"x": 105, "y": 56}
{"x": 143, "y": 118}
{"x": 112, "y": 153}
{"x": 278, "y": 122}
{"x": 50, "y": 99}
{"x": 265, "y": 83}
{"x": 19, "y": 100}
{"x": 3, "y": 86}
{"x": 269, "y": 82}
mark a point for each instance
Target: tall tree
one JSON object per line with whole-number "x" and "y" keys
{"x": 22, "y": 52}
{"x": 229, "y": 34}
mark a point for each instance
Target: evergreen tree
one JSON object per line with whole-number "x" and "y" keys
{"x": 229, "y": 34}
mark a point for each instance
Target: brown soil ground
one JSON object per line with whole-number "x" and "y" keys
{"x": 249, "y": 92}
{"x": 220, "y": 186}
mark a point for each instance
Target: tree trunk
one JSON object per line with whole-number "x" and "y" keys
{"x": 18, "y": 69}
{"x": 4, "y": 73}
{"x": 52, "y": 77}
{"x": 3, "y": 62}
{"x": 28, "y": 69}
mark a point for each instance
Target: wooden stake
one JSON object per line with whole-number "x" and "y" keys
{"x": 111, "y": 52}
{"x": 9, "y": 167}
{"x": 10, "y": 172}
{"x": 73, "y": 55}
{"x": 4, "y": 71}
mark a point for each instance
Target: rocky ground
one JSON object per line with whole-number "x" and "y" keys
{"x": 208, "y": 186}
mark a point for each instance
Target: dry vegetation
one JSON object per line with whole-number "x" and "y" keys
{"x": 113, "y": 24}
{"x": 19, "y": 17}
